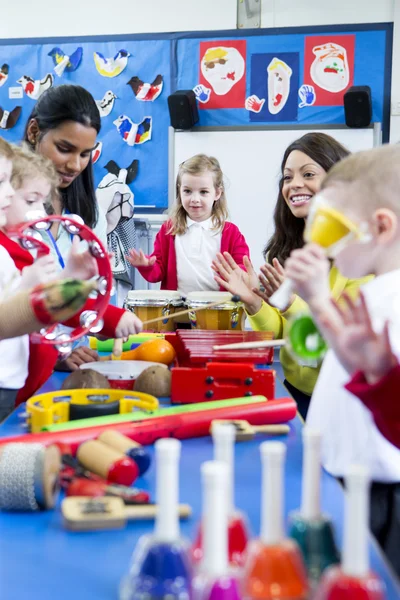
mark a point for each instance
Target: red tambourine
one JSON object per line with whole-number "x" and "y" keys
{"x": 28, "y": 235}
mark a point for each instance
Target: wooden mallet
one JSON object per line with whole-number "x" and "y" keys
{"x": 84, "y": 513}
{"x": 245, "y": 431}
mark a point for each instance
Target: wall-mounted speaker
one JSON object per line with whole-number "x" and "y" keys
{"x": 358, "y": 106}
{"x": 183, "y": 109}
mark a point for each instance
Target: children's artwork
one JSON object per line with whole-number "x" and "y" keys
{"x": 202, "y": 93}
{"x": 9, "y": 119}
{"x": 329, "y": 66}
{"x": 106, "y": 104}
{"x": 3, "y": 74}
{"x": 279, "y": 74}
{"x": 35, "y": 88}
{"x": 117, "y": 201}
{"x": 111, "y": 67}
{"x": 96, "y": 152}
{"x": 134, "y": 133}
{"x": 223, "y": 68}
{"x": 254, "y": 104}
{"x": 275, "y": 77}
{"x": 307, "y": 95}
{"x": 63, "y": 62}
{"x": 147, "y": 92}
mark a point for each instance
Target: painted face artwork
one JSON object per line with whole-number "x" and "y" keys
{"x": 279, "y": 74}
{"x": 222, "y": 68}
{"x": 330, "y": 69}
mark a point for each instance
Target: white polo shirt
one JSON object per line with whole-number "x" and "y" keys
{"x": 14, "y": 352}
{"x": 195, "y": 250}
{"x": 349, "y": 434}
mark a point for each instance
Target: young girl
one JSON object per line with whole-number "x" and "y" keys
{"x": 35, "y": 180}
{"x": 304, "y": 165}
{"x": 63, "y": 127}
{"x": 187, "y": 244}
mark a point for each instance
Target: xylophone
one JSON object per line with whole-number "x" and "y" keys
{"x": 210, "y": 374}
{"x": 194, "y": 348}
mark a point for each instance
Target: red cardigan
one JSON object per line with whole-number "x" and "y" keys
{"x": 382, "y": 399}
{"x": 43, "y": 357}
{"x": 164, "y": 269}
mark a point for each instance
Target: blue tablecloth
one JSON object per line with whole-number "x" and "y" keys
{"x": 41, "y": 560}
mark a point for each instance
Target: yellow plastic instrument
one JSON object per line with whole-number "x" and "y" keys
{"x": 67, "y": 405}
{"x": 331, "y": 230}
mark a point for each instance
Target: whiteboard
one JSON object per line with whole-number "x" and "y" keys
{"x": 250, "y": 161}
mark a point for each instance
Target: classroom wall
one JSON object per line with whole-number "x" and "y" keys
{"x": 46, "y": 18}
{"x": 290, "y": 13}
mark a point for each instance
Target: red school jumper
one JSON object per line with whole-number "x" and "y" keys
{"x": 382, "y": 399}
{"x": 43, "y": 357}
{"x": 165, "y": 270}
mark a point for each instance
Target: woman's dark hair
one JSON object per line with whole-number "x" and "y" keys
{"x": 54, "y": 107}
{"x": 289, "y": 230}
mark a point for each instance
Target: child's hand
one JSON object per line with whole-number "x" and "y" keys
{"x": 129, "y": 324}
{"x": 354, "y": 341}
{"x": 78, "y": 357}
{"x": 79, "y": 265}
{"x": 44, "y": 269}
{"x": 139, "y": 259}
{"x": 308, "y": 268}
{"x": 236, "y": 281}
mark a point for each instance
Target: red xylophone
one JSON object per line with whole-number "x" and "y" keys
{"x": 202, "y": 373}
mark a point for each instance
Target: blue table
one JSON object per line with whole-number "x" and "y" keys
{"x": 41, "y": 560}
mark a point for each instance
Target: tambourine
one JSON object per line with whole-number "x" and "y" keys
{"x": 72, "y": 405}
{"x": 28, "y": 235}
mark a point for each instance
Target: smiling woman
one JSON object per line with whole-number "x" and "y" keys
{"x": 63, "y": 127}
{"x": 305, "y": 163}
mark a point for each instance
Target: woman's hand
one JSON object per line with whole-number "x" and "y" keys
{"x": 236, "y": 281}
{"x": 139, "y": 259}
{"x": 271, "y": 279}
{"x": 355, "y": 342}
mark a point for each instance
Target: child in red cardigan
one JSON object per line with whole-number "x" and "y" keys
{"x": 187, "y": 243}
{"x": 33, "y": 180}
{"x": 369, "y": 357}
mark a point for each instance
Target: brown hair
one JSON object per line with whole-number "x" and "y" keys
{"x": 195, "y": 166}
{"x": 28, "y": 165}
{"x": 289, "y": 230}
{"x": 6, "y": 149}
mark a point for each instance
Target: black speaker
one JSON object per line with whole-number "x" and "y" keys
{"x": 358, "y": 106}
{"x": 183, "y": 109}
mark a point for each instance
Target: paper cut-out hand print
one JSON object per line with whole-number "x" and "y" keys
{"x": 202, "y": 93}
{"x": 254, "y": 103}
{"x": 307, "y": 95}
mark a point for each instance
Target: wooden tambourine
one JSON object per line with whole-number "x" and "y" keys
{"x": 28, "y": 235}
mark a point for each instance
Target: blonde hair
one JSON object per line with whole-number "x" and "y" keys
{"x": 6, "y": 149}
{"x": 201, "y": 163}
{"x": 30, "y": 165}
{"x": 375, "y": 177}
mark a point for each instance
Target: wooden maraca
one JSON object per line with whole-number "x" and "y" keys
{"x": 132, "y": 449}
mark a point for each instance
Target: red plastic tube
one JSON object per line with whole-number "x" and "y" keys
{"x": 189, "y": 425}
